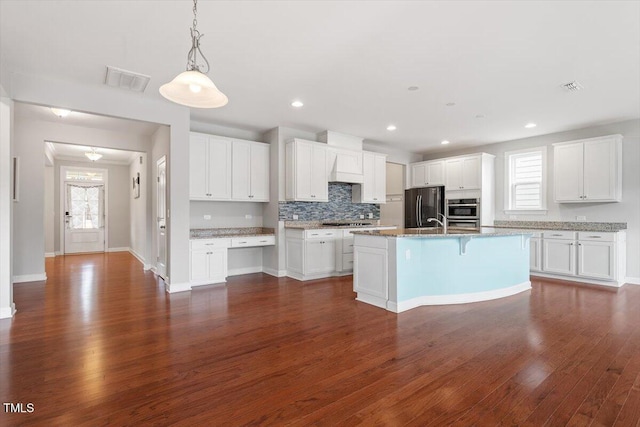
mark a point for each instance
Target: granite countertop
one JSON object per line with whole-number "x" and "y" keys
{"x": 313, "y": 225}
{"x": 213, "y": 233}
{"x": 563, "y": 225}
{"x": 437, "y": 232}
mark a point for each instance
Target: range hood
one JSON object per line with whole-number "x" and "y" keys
{"x": 344, "y": 157}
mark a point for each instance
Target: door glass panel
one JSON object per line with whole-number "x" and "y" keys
{"x": 85, "y": 207}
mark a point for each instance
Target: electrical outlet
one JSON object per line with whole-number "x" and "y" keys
{"x": 361, "y": 216}
{"x": 207, "y": 217}
{"x": 581, "y": 218}
{"x": 370, "y": 215}
{"x": 407, "y": 254}
{"x": 248, "y": 216}
{"x": 295, "y": 216}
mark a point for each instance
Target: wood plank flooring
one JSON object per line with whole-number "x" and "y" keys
{"x": 101, "y": 343}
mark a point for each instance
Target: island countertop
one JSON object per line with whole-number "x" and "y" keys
{"x": 438, "y": 232}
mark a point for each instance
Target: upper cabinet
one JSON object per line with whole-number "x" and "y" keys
{"x": 209, "y": 167}
{"x": 306, "y": 177}
{"x": 374, "y": 187}
{"x": 226, "y": 169}
{"x": 588, "y": 170}
{"x": 427, "y": 173}
{"x": 250, "y": 171}
{"x": 463, "y": 173}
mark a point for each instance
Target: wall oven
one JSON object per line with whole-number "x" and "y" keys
{"x": 464, "y": 213}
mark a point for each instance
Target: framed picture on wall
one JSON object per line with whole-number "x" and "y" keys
{"x": 136, "y": 186}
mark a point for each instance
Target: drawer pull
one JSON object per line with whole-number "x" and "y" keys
{"x": 263, "y": 241}
{"x": 595, "y": 237}
{"x": 242, "y": 243}
{"x": 557, "y": 235}
{"x": 209, "y": 244}
{"x": 314, "y": 234}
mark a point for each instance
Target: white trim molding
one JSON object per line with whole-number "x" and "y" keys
{"x": 122, "y": 249}
{"x": 29, "y": 278}
{"x": 172, "y": 288}
{"x": 632, "y": 280}
{"x": 245, "y": 270}
{"x": 138, "y": 257}
{"x": 273, "y": 272}
{"x": 49, "y": 254}
{"x": 8, "y": 312}
{"x": 457, "y": 299}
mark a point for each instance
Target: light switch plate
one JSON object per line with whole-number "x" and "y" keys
{"x": 248, "y": 216}
{"x": 361, "y": 216}
{"x": 207, "y": 217}
{"x": 295, "y": 216}
{"x": 370, "y": 215}
{"x": 581, "y": 218}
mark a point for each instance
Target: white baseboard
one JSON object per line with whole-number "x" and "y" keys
{"x": 457, "y": 299}
{"x": 172, "y": 288}
{"x": 246, "y": 270}
{"x": 8, "y": 312}
{"x": 58, "y": 253}
{"x": 137, "y": 256}
{"x": 577, "y": 279}
{"x": 118, "y": 249}
{"x": 29, "y": 278}
{"x": 273, "y": 272}
{"x": 632, "y": 280}
{"x": 49, "y": 254}
{"x": 148, "y": 267}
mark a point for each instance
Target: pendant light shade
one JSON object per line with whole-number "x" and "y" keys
{"x": 193, "y": 89}
{"x": 92, "y": 155}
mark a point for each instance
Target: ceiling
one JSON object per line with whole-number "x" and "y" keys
{"x": 351, "y": 62}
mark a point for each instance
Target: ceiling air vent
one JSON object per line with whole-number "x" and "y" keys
{"x": 117, "y": 77}
{"x": 573, "y": 86}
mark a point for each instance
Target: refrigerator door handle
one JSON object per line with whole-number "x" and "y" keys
{"x": 419, "y": 204}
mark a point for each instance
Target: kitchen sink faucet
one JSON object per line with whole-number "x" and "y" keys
{"x": 443, "y": 223}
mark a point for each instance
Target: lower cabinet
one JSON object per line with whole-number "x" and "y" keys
{"x": 311, "y": 254}
{"x": 319, "y": 256}
{"x": 208, "y": 261}
{"x": 592, "y": 257}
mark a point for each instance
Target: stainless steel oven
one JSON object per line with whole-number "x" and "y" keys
{"x": 464, "y": 213}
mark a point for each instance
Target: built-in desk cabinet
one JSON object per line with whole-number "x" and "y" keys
{"x": 228, "y": 169}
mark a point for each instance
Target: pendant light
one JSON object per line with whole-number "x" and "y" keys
{"x": 92, "y": 155}
{"x": 192, "y": 87}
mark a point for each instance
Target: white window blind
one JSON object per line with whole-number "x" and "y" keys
{"x": 526, "y": 180}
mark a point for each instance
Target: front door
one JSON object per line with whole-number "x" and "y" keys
{"x": 84, "y": 218}
{"x": 161, "y": 232}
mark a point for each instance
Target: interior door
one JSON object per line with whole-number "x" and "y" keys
{"x": 161, "y": 231}
{"x": 84, "y": 218}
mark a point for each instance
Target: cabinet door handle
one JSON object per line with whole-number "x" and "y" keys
{"x": 263, "y": 241}
{"x": 557, "y": 235}
{"x": 209, "y": 244}
{"x": 242, "y": 243}
{"x": 314, "y": 234}
{"x": 595, "y": 237}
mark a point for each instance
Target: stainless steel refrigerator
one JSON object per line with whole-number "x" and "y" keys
{"x": 421, "y": 204}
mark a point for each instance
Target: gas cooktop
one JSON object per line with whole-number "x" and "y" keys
{"x": 346, "y": 224}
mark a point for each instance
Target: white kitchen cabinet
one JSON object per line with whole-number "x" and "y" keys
{"x": 311, "y": 254}
{"x": 591, "y": 257}
{"x": 374, "y": 187}
{"x": 209, "y": 167}
{"x": 428, "y": 173}
{"x": 535, "y": 254}
{"x": 208, "y": 261}
{"x": 463, "y": 173}
{"x": 559, "y": 256}
{"x": 588, "y": 170}
{"x": 306, "y": 176}
{"x": 250, "y": 171}
{"x": 320, "y": 256}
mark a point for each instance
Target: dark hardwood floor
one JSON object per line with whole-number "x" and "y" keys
{"x": 102, "y": 344}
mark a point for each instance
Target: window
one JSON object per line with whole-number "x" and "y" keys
{"x": 526, "y": 181}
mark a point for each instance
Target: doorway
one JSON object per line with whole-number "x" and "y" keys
{"x": 161, "y": 227}
{"x": 84, "y": 205}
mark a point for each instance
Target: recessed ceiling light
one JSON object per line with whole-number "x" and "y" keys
{"x": 60, "y": 112}
{"x": 445, "y": 142}
{"x": 391, "y": 127}
{"x": 412, "y": 88}
{"x": 297, "y": 104}
{"x": 530, "y": 125}
{"x": 450, "y": 104}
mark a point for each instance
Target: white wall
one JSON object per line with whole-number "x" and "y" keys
{"x": 225, "y": 214}
{"x": 101, "y": 99}
{"x": 7, "y": 307}
{"x": 628, "y": 210}
{"x": 138, "y": 208}
{"x": 49, "y": 211}
{"x": 161, "y": 141}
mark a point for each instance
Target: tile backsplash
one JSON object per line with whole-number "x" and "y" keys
{"x": 339, "y": 207}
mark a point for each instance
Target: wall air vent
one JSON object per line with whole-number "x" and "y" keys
{"x": 573, "y": 86}
{"x": 117, "y": 77}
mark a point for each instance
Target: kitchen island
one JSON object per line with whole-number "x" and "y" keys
{"x": 406, "y": 268}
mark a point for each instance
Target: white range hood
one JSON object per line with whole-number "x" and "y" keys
{"x": 344, "y": 159}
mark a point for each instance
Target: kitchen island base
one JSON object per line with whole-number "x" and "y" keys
{"x": 399, "y": 272}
